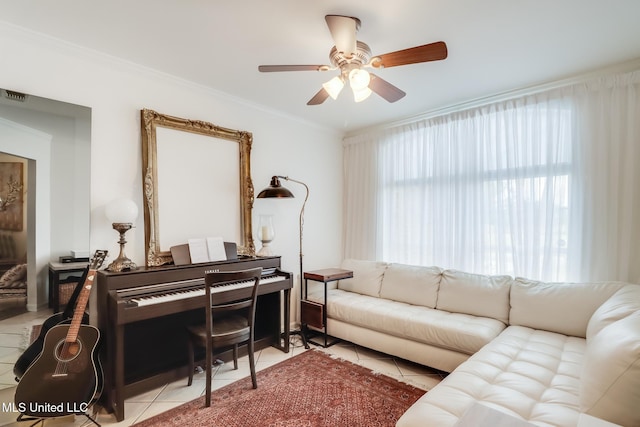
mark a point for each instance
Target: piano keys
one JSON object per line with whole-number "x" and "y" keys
{"x": 142, "y": 316}
{"x": 157, "y": 294}
{"x": 147, "y": 302}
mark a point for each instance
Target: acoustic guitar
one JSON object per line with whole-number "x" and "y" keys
{"x": 67, "y": 377}
{"x": 35, "y": 348}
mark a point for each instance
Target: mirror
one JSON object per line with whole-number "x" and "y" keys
{"x": 196, "y": 183}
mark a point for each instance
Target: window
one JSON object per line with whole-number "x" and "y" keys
{"x": 485, "y": 191}
{"x": 542, "y": 186}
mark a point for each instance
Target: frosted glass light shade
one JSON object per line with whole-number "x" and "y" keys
{"x": 359, "y": 79}
{"x": 362, "y": 94}
{"x": 333, "y": 87}
{"x": 122, "y": 211}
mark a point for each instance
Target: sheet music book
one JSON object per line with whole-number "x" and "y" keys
{"x": 215, "y": 246}
{"x": 207, "y": 249}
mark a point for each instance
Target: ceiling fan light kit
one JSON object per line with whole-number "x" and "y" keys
{"x": 351, "y": 56}
{"x": 359, "y": 79}
{"x": 362, "y": 94}
{"x": 334, "y": 86}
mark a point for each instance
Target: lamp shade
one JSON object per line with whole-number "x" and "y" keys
{"x": 359, "y": 79}
{"x": 362, "y": 94}
{"x": 275, "y": 190}
{"x": 122, "y": 211}
{"x": 334, "y": 87}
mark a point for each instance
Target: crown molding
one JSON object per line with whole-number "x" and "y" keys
{"x": 110, "y": 61}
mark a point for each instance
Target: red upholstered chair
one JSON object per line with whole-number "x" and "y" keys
{"x": 227, "y": 324}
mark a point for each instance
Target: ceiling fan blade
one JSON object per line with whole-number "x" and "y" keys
{"x": 275, "y": 68}
{"x": 385, "y": 89}
{"x": 319, "y": 97}
{"x": 425, "y": 53}
{"x": 343, "y": 30}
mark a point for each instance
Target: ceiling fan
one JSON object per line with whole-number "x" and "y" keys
{"x": 351, "y": 57}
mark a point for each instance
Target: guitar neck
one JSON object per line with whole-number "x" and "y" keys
{"x": 81, "y": 305}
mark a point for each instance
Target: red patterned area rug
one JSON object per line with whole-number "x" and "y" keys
{"x": 309, "y": 390}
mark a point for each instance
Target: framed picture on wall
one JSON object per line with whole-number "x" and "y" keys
{"x": 11, "y": 196}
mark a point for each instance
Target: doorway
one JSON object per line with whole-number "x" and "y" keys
{"x": 53, "y": 138}
{"x": 13, "y": 235}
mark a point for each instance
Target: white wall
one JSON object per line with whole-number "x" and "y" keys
{"x": 116, "y": 92}
{"x": 70, "y": 129}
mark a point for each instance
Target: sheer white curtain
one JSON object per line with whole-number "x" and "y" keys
{"x": 541, "y": 186}
{"x": 607, "y": 131}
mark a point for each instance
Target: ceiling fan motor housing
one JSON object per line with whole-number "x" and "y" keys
{"x": 347, "y": 63}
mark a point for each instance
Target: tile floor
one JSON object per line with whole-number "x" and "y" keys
{"x": 13, "y": 332}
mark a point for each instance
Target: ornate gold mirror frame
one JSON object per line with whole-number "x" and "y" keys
{"x": 185, "y": 181}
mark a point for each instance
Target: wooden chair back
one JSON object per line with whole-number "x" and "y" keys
{"x": 246, "y": 306}
{"x": 235, "y": 331}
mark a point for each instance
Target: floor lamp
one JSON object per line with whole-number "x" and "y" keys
{"x": 277, "y": 191}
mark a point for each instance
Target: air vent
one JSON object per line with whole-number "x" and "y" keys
{"x": 15, "y": 96}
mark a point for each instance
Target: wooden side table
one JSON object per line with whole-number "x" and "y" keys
{"x": 315, "y": 314}
{"x": 59, "y": 273}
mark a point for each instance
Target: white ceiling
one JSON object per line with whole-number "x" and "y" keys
{"x": 494, "y": 45}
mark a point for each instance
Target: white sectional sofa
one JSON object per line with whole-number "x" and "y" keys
{"x": 542, "y": 352}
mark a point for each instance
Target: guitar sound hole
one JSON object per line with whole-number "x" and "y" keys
{"x": 67, "y": 351}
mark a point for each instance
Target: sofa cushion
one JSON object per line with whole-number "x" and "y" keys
{"x": 479, "y": 295}
{"x": 564, "y": 308}
{"x": 411, "y": 284}
{"x": 454, "y": 331}
{"x": 529, "y": 374}
{"x": 367, "y": 276}
{"x": 610, "y": 386}
{"x": 624, "y": 302}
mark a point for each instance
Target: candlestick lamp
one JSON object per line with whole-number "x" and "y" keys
{"x": 122, "y": 213}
